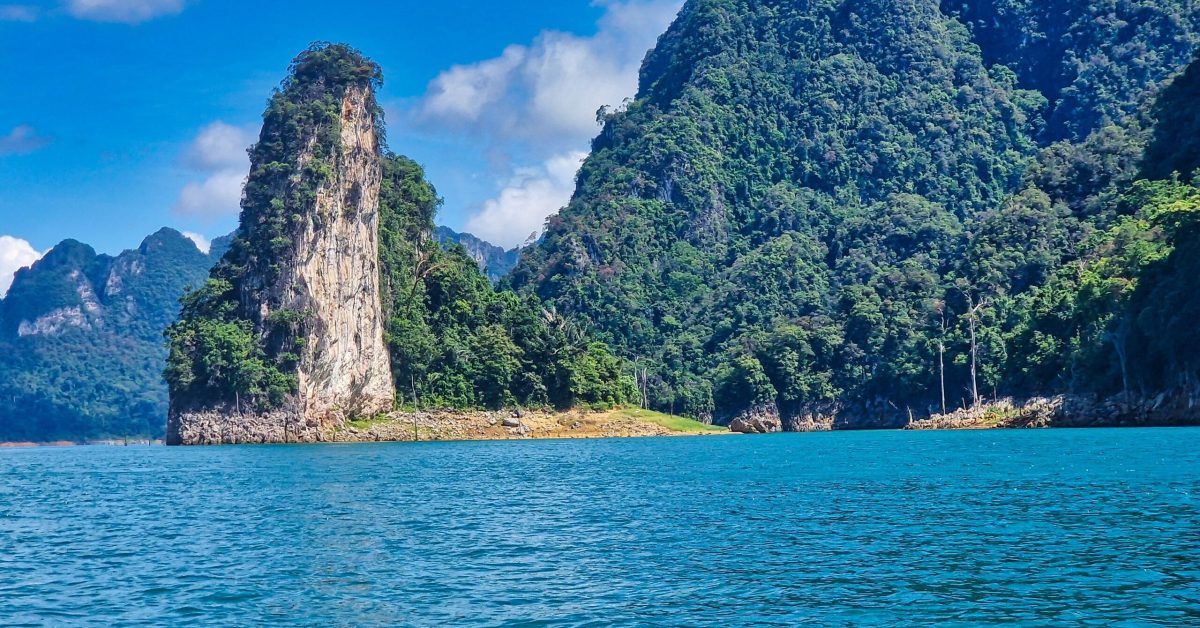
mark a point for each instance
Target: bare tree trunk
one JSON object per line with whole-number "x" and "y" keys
{"x": 1117, "y": 339}
{"x": 942, "y": 372}
{"x": 416, "y": 407}
{"x": 942, "y": 362}
{"x": 972, "y": 324}
{"x": 974, "y": 362}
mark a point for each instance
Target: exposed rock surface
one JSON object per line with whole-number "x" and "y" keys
{"x": 227, "y": 426}
{"x": 485, "y": 425}
{"x": 346, "y": 367}
{"x": 1179, "y": 407}
{"x": 305, "y": 267}
{"x": 762, "y": 419}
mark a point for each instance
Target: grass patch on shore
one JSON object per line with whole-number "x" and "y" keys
{"x": 366, "y": 423}
{"x": 669, "y": 421}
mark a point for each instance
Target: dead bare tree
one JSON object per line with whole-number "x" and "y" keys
{"x": 973, "y": 317}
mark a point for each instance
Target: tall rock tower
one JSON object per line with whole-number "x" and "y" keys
{"x": 286, "y": 339}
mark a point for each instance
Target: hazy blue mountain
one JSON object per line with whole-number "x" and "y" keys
{"x": 494, "y": 260}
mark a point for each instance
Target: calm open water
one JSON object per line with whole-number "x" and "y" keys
{"x": 1037, "y": 527}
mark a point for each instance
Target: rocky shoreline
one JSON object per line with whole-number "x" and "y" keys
{"x": 458, "y": 425}
{"x": 1071, "y": 411}
{"x": 225, "y": 428}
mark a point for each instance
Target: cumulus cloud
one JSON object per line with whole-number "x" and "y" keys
{"x": 21, "y": 140}
{"x": 15, "y": 254}
{"x": 464, "y": 92}
{"x": 18, "y": 13}
{"x": 537, "y": 103}
{"x": 218, "y": 195}
{"x": 550, "y": 90}
{"x": 219, "y": 145}
{"x": 201, "y": 242}
{"x": 123, "y": 11}
{"x": 219, "y": 153}
{"x": 527, "y": 199}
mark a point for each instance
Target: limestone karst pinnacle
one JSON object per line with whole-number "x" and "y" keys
{"x": 304, "y": 271}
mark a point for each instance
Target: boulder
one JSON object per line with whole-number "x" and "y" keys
{"x": 757, "y": 420}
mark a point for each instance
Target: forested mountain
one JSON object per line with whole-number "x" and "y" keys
{"x": 458, "y": 342}
{"x": 493, "y": 260}
{"x": 850, "y": 212}
{"x": 81, "y": 336}
{"x": 1092, "y": 60}
{"x": 838, "y": 213}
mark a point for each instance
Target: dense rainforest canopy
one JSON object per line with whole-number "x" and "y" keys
{"x": 848, "y": 207}
{"x": 81, "y": 339}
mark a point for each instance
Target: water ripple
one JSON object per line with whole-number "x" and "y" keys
{"x": 1041, "y": 527}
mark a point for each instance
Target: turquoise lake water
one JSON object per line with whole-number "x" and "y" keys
{"x": 1035, "y": 527}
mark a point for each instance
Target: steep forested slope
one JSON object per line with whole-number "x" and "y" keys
{"x": 1093, "y": 60}
{"x": 81, "y": 336}
{"x": 458, "y": 342}
{"x": 841, "y": 208}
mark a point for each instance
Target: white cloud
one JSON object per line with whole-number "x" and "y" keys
{"x": 464, "y": 91}
{"x": 15, "y": 254}
{"x": 123, "y": 11}
{"x": 21, "y": 140}
{"x": 218, "y": 195}
{"x": 201, "y": 242}
{"x": 538, "y": 103}
{"x": 219, "y": 145}
{"x": 547, "y": 93}
{"x": 218, "y": 151}
{"x": 532, "y": 195}
{"x": 18, "y": 13}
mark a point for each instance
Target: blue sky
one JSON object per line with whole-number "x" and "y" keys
{"x": 123, "y": 116}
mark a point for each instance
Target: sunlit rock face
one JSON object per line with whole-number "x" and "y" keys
{"x": 345, "y": 368}
{"x": 314, "y": 263}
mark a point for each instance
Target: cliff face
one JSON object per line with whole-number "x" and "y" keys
{"x": 286, "y": 340}
{"x": 345, "y": 367}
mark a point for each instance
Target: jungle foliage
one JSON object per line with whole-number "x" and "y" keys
{"x": 840, "y": 204}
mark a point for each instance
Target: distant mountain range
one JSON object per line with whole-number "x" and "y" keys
{"x": 81, "y": 334}
{"x": 493, "y": 260}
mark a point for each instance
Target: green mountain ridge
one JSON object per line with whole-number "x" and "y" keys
{"x": 829, "y": 211}
{"x": 82, "y": 338}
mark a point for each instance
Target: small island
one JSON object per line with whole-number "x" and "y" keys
{"x": 335, "y": 303}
